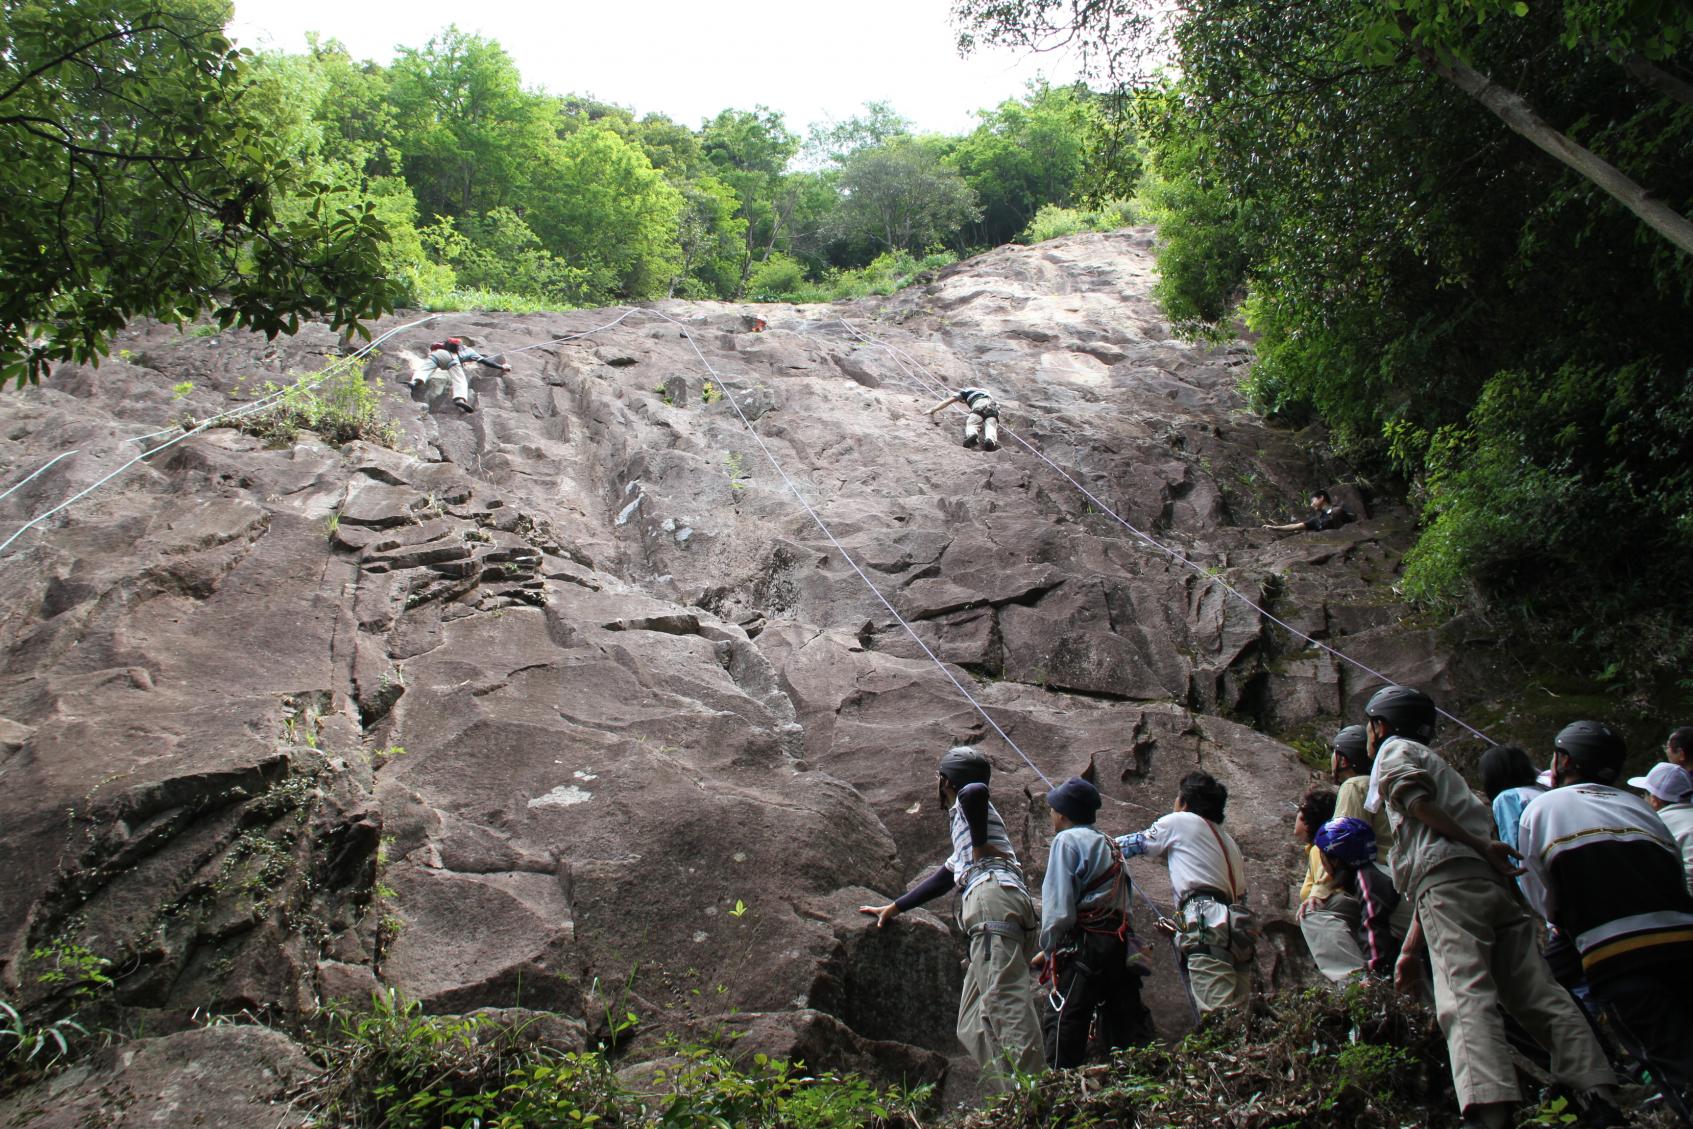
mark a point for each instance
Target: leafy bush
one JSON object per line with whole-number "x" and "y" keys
{"x": 398, "y": 1068}
{"x": 340, "y": 405}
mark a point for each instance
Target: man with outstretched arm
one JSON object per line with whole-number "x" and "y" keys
{"x": 1481, "y": 939}
{"x": 982, "y": 424}
{"x": 1325, "y": 515}
{"x": 450, "y": 356}
{"x": 1087, "y": 942}
{"x": 997, "y": 1021}
{"x": 1208, "y": 875}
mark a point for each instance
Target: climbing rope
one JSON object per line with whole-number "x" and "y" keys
{"x": 899, "y": 357}
{"x": 38, "y": 470}
{"x": 234, "y": 413}
{"x": 793, "y": 488}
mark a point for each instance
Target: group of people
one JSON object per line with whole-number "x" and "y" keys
{"x": 1408, "y": 870}
{"x": 1081, "y": 942}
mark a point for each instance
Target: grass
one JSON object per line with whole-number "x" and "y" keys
{"x": 456, "y": 300}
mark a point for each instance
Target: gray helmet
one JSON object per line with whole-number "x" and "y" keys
{"x": 1350, "y": 746}
{"x": 1408, "y": 712}
{"x": 1596, "y": 748}
{"x": 964, "y": 765}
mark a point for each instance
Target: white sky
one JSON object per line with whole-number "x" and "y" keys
{"x": 812, "y": 61}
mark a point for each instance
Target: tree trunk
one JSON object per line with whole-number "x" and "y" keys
{"x": 1514, "y": 111}
{"x": 1657, "y": 78}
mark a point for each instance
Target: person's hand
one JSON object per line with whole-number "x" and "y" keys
{"x": 1307, "y": 906}
{"x": 882, "y": 914}
{"x": 1038, "y": 961}
{"x": 1408, "y": 974}
{"x": 1499, "y": 856}
{"x": 505, "y": 368}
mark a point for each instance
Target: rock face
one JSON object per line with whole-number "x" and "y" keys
{"x": 569, "y": 704}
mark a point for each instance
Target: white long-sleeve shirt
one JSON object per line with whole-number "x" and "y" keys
{"x": 1199, "y": 854}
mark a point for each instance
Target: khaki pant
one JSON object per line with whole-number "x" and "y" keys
{"x": 997, "y": 1021}
{"x": 1485, "y": 955}
{"x": 1331, "y": 933}
{"x": 1217, "y": 982}
{"x": 978, "y": 427}
{"x": 455, "y": 370}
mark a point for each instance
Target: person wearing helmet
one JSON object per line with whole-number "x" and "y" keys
{"x": 1214, "y": 933}
{"x": 997, "y": 1020}
{"x": 1326, "y": 913}
{"x": 1348, "y": 849}
{"x": 1349, "y": 768}
{"x": 1088, "y": 946}
{"x": 450, "y": 356}
{"x": 1603, "y": 868}
{"x": 1482, "y": 942}
{"x": 982, "y": 424}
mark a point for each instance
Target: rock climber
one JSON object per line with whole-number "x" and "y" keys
{"x": 997, "y": 1020}
{"x": 1214, "y": 932}
{"x": 1669, "y": 792}
{"x": 1330, "y": 919}
{"x": 1482, "y": 941}
{"x": 982, "y": 424}
{"x": 1326, "y": 515}
{"x": 1603, "y": 868}
{"x": 450, "y": 356}
{"x": 1087, "y": 942}
{"x": 1348, "y": 849}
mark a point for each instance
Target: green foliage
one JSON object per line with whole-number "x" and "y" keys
{"x": 396, "y": 1067}
{"x": 903, "y": 197}
{"x": 70, "y": 968}
{"x": 140, "y": 181}
{"x": 339, "y": 404}
{"x": 1026, "y": 155}
{"x": 1052, "y": 221}
{"x": 23, "y": 1043}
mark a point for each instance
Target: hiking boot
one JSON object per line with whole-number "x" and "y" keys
{"x": 990, "y": 446}
{"x": 1600, "y": 1113}
{"x": 1488, "y": 1115}
{"x": 464, "y": 406}
{"x": 972, "y": 440}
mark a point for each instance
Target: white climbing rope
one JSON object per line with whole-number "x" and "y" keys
{"x": 38, "y": 470}
{"x": 234, "y": 413}
{"x": 776, "y": 465}
{"x": 900, "y": 357}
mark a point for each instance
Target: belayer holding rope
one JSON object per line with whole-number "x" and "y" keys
{"x": 450, "y": 356}
{"x": 1088, "y": 946}
{"x": 996, "y": 1012}
{"x": 982, "y": 424}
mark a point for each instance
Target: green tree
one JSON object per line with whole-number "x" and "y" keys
{"x": 1025, "y": 153}
{"x": 750, "y": 150}
{"x": 608, "y": 211}
{"x": 468, "y": 133}
{"x": 139, "y": 181}
{"x": 904, "y": 197}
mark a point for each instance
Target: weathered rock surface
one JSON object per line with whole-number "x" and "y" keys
{"x": 568, "y": 705}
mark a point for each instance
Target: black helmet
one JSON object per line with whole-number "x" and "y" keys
{"x": 1350, "y": 746}
{"x": 1595, "y": 747}
{"x": 964, "y": 765}
{"x": 1408, "y": 712}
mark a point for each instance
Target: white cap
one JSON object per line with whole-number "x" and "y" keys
{"x": 1669, "y": 782}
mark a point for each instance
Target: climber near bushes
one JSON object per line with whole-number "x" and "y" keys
{"x": 997, "y": 1021}
{"x": 982, "y": 424}
{"x": 450, "y": 356}
{"x": 1326, "y": 515}
{"x": 1088, "y": 946}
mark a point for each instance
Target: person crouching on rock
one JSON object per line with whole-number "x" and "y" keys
{"x": 997, "y": 1022}
{"x": 1214, "y": 930}
{"x": 1088, "y": 946}
{"x": 1348, "y": 848}
{"x": 982, "y": 424}
{"x": 450, "y": 356}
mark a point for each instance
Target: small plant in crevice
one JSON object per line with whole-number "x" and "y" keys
{"x": 736, "y": 468}
{"x": 338, "y": 404}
